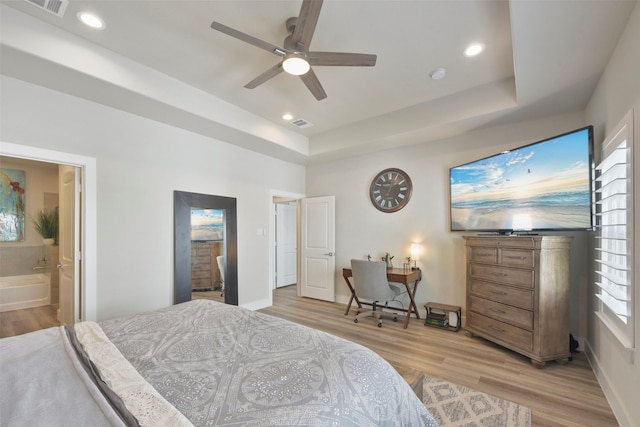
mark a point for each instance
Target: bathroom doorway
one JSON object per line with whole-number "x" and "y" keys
{"x": 43, "y": 270}
{"x": 29, "y": 296}
{"x": 81, "y": 268}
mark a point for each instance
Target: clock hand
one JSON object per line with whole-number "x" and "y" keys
{"x": 391, "y": 185}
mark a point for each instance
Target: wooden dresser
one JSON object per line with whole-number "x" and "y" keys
{"x": 518, "y": 294}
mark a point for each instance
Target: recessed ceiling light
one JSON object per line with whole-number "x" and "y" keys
{"x": 438, "y": 73}
{"x": 474, "y": 49}
{"x": 287, "y": 116}
{"x": 91, "y": 20}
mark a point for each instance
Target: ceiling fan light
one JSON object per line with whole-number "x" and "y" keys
{"x": 296, "y": 65}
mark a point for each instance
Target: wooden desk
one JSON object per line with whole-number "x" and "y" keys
{"x": 395, "y": 275}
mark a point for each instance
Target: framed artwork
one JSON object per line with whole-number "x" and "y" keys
{"x": 12, "y": 198}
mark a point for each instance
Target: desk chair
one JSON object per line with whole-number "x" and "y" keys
{"x": 220, "y": 261}
{"x": 370, "y": 283}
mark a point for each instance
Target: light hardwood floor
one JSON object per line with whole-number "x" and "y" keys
{"x": 558, "y": 395}
{"x": 18, "y": 322}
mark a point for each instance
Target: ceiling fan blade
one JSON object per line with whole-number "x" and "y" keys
{"x": 313, "y": 84}
{"x": 247, "y": 38}
{"x": 342, "y": 59}
{"x": 306, "y": 24}
{"x": 271, "y": 72}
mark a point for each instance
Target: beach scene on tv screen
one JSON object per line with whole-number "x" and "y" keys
{"x": 540, "y": 186}
{"x": 207, "y": 225}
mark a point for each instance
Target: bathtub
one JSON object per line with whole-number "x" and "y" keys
{"x": 30, "y": 290}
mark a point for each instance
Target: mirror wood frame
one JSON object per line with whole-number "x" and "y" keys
{"x": 182, "y": 204}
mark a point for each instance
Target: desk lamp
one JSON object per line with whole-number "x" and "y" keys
{"x": 416, "y": 248}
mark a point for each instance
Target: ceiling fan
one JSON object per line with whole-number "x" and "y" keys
{"x": 296, "y": 57}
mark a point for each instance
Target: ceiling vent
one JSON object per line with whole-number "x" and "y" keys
{"x": 301, "y": 123}
{"x": 54, "y": 7}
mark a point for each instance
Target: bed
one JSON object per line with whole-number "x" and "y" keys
{"x": 199, "y": 363}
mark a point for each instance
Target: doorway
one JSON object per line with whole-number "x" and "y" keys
{"x": 84, "y": 220}
{"x": 292, "y": 220}
{"x": 315, "y": 267}
{"x": 47, "y": 189}
{"x": 286, "y": 243}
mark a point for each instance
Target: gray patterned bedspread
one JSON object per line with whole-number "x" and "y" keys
{"x": 227, "y": 366}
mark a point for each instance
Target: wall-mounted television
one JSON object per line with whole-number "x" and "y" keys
{"x": 543, "y": 186}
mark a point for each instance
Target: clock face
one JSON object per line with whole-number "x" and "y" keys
{"x": 390, "y": 190}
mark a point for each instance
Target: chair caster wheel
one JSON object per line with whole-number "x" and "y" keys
{"x": 355, "y": 320}
{"x": 380, "y": 325}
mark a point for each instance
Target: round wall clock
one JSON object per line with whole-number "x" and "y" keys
{"x": 390, "y": 190}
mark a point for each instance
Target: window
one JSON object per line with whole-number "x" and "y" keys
{"x": 614, "y": 245}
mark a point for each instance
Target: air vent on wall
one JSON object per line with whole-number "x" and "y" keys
{"x": 301, "y": 123}
{"x": 55, "y": 7}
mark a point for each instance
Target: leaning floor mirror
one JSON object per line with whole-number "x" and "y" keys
{"x": 205, "y": 247}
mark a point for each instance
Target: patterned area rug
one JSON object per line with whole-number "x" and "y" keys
{"x": 454, "y": 405}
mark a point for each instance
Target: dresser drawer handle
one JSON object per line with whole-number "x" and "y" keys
{"x": 495, "y": 328}
{"x": 496, "y": 274}
{"x": 515, "y": 257}
{"x": 497, "y": 310}
{"x": 484, "y": 255}
{"x": 497, "y": 292}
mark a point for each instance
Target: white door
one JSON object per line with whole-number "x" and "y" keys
{"x": 317, "y": 254}
{"x": 286, "y": 252}
{"x": 69, "y": 310}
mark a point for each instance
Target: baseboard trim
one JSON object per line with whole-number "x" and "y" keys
{"x": 618, "y": 410}
{"x": 257, "y": 305}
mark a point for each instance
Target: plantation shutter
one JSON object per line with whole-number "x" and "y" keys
{"x": 614, "y": 215}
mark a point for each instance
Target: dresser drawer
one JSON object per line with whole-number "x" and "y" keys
{"x": 512, "y": 276}
{"x": 483, "y": 254}
{"x": 516, "y": 257}
{"x": 511, "y": 242}
{"x": 515, "y": 316}
{"x": 502, "y": 331}
{"x": 507, "y": 295}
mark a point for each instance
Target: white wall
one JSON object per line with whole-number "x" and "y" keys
{"x": 361, "y": 229}
{"x": 618, "y": 90}
{"x": 140, "y": 163}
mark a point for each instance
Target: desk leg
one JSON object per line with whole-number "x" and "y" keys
{"x": 353, "y": 296}
{"x": 412, "y": 303}
{"x": 348, "y": 305}
{"x": 413, "y": 300}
